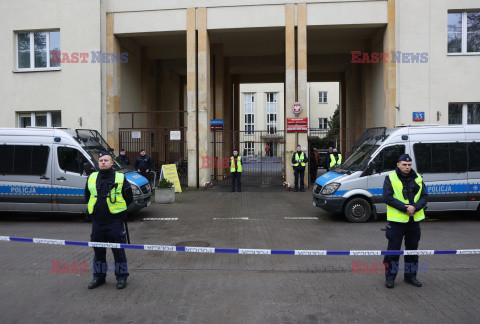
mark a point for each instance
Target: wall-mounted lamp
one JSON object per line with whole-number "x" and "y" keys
{"x": 80, "y": 121}
{"x": 439, "y": 114}
{"x": 398, "y": 108}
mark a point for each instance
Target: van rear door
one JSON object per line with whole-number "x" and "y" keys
{"x": 25, "y": 177}
{"x": 69, "y": 179}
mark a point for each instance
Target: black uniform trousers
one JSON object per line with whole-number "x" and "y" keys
{"x": 113, "y": 232}
{"x": 395, "y": 233}
{"x": 236, "y": 176}
{"x": 301, "y": 174}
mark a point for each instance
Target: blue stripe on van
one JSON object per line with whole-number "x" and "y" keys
{"x": 25, "y": 190}
{"x": 62, "y": 191}
{"x": 136, "y": 178}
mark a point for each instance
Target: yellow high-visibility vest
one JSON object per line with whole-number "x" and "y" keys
{"x": 396, "y": 215}
{"x": 118, "y": 205}
{"x": 333, "y": 162}
{"x": 239, "y": 164}
{"x": 301, "y": 157}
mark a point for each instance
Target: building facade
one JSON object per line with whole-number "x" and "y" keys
{"x": 120, "y": 66}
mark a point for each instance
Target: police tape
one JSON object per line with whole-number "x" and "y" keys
{"x": 171, "y": 248}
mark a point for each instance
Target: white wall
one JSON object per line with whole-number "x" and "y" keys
{"x": 323, "y": 110}
{"x": 75, "y": 90}
{"x": 429, "y": 87}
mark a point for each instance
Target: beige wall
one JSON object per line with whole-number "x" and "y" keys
{"x": 75, "y": 89}
{"x": 260, "y": 91}
{"x": 322, "y": 110}
{"x": 429, "y": 87}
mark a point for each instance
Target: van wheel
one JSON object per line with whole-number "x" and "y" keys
{"x": 358, "y": 210}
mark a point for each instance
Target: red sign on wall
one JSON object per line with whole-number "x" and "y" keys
{"x": 297, "y": 125}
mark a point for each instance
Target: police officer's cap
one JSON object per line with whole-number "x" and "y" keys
{"x": 103, "y": 153}
{"x": 142, "y": 150}
{"x": 122, "y": 150}
{"x": 405, "y": 157}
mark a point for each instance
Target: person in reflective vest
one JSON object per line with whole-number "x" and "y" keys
{"x": 406, "y": 197}
{"x": 236, "y": 171}
{"x": 108, "y": 194}
{"x": 299, "y": 161}
{"x": 335, "y": 159}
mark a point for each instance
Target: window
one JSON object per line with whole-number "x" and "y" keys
{"x": 387, "y": 159}
{"x": 40, "y": 119}
{"x": 473, "y": 156}
{"x": 71, "y": 160}
{"x": 440, "y": 157}
{"x": 271, "y": 113}
{"x": 459, "y": 114}
{"x": 464, "y": 32}
{"x": 38, "y": 51}
{"x": 249, "y": 103}
{"x": 23, "y": 159}
{"x": 323, "y": 123}
{"x": 249, "y": 149}
{"x": 322, "y": 97}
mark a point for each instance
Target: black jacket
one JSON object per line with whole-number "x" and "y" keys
{"x": 143, "y": 163}
{"x": 411, "y": 188}
{"x": 123, "y": 160}
{"x": 299, "y": 167}
{"x": 101, "y": 214}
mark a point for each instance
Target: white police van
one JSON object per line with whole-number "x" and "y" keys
{"x": 45, "y": 170}
{"x": 447, "y": 157}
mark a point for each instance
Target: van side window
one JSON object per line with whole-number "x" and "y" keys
{"x": 387, "y": 159}
{"x": 473, "y": 156}
{"x": 23, "y": 159}
{"x": 440, "y": 157}
{"x": 70, "y": 159}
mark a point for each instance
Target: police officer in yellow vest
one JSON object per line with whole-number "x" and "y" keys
{"x": 406, "y": 197}
{"x": 108, "y": 194}
{"x": 333, "y": 159}
{"x": 299, "y": 161}
{"x": 236, "y": 171}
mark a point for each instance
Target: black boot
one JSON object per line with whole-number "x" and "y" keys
{"x": 121, "y": 283}
{"x": 413, "y": 281}
{"x": 389, "y": 283}
{"x": 95, "y": 283}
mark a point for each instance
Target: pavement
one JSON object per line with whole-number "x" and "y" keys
{"x": 177, "y": 287}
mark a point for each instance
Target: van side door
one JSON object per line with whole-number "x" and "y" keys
{"x": 443, "y": 166}
{"x": 69, "y": 179}
{"x": 26, "y": 177}
{"x": 473, "y": 152}
{"x": 385, "y": 162}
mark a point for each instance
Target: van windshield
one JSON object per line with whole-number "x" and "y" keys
{"x": 92, "y": 142}
{"x": 358, "y": 160}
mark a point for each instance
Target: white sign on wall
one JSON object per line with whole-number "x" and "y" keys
{"x": 175, "y": 135}
{"x": 136, "y": 134}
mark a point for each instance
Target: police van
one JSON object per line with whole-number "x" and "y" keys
{"x": 447, "y": 157}
{"x": 45, "y": 170}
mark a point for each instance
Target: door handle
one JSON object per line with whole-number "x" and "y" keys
{"x": 61, "y": 178}
{"x": 44, "y": 177}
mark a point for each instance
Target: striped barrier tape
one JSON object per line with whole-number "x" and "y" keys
{"x": 169, "y": 248}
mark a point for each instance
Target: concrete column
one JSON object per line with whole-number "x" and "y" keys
{"x": 367, "y": 95}
{"x": 204, "y": 103}
{"x": 227, "y": 111}
{"x": 113, "y": 86}
{"x": 302, "y": 86}
{"x": 343, "y": 116}
{"x": 220, "y": 103}
{"x": 192, "y": 98}
{"x": 390, "y": 69}
{"x": 290, "y": 86}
